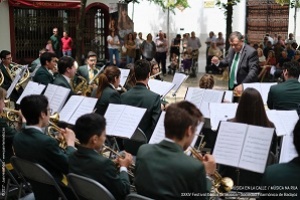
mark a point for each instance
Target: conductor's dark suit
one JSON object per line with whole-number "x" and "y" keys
{"x": 248, "y": 66}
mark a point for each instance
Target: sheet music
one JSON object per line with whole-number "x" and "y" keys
{"x": 213, "y": 96}
{"x": 262, "y": 88}
{"x": 204, "y": 108}
{"x": 122, "y": 120}
{"x": 69, "y": 109}
{"x": 288, "y": 150}
{"x": 159, "y": 132}
{"x": 178, "y": 79}
{"x": 18, "y": 76}
{"x": 284, "y": 120}
{"x": 124, "y": 75}
{"x": 57, "y": 95}
{"x": 221, "y": 112}
{"x": 228, "y": 97}
{"x": 86, "y": 106}
{"x": 160, "y": 87}
{"x": 31, "y": 88}
{"x": 229, "y": 143}
{"x": 256, "y": 148}
{"x": 194, "y": 95}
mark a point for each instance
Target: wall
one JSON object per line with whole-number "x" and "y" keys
{"x": 5, "y": 28}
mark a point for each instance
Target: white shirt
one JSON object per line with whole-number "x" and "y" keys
{"x": 115, "y": 39}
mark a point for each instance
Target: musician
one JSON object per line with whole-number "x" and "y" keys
{"x": 5, "y": 66}
{"x": 163, "y": 170}
{"x": 154, "y": 68}
{"x": 89, "y": 70}
{"x": 67, "y": 71}
{"x": 286, "y": 95}
{"x": 131, "y": 81}
{"x": 284, "y": 175}
{"x": 107, "y": 89}
{"x": 34, "y": 145}
{"x": 242, "y": 60}
{"x": 86, "y": 161}
{"x": 250, "y": 111}
{"x": 44, "y": 75}
{"x": 207, "y": 81}
{"x": 7, "y": 132}
{"x": 37, "y": 62}
{"x": 140, "y": 96}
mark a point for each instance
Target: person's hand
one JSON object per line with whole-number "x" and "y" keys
{"x": 125, "y": 161}
{"x": 69, "y": 136}
{"x": 215, "y": 60}
{"x": 209, "y": 164}
{"x": 238, "y": 90}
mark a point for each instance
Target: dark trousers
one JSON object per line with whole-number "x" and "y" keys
{"x": 161, "y": 57}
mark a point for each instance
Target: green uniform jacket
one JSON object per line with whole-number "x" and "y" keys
{"x": 43, "y": 76}
{"x": 140, "y": 96}
{"x": 8, "y": 134}
{"x": 163, "y": 171}
{"x": 109, "y": 95}
{"x": 284, "y": 96}
{"x": 284, "y": 175}
{"x": 83, "y": 71}
{"x": 35, "y": 146}
{"x": 87, "y": 162}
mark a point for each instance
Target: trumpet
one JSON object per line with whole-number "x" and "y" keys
{"x": 130, "y": 168}
{"x": 155, "y": 75}
{"x": 220, "y": 184}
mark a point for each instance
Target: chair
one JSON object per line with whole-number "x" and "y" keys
{"x": 133, "y": 144}
{"x": 88, "y": 189}
{"x": 134, "y": 196}
{"x": 43, "y": 184}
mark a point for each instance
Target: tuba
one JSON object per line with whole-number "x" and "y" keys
{"x": 1, "y": 78}
{"x": 220, "y": 184}
{"x": 15, "y": 69}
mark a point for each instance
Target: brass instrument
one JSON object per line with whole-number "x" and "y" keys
{"x": 130, "y": 168}
{"x": 1, "y": 78}
{"x": 82, "y": 86}
{"x": 155, "y": 75}
{"x": 220, "y": 184}
{"x": 11, "y": 114}
{"x": 54, "y": 131}
{"x": 15, "y": 69}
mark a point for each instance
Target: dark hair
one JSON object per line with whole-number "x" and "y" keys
{"x": 64, "y": 63}
{"x": 32, "y": 107}
{"x": 141, "y": 69}
{"x": 179, "y": 116}
{"x": 293, "y": 68}
{"x": 207, "y": 81}
{"x": 296, "y": 133}
{"x": 108, "y": 76}
{"x": 131, "y": 81}
{"x": 237, "y": 35}
{"x": 152, "y": 64}
{"x": 251, "y": 109}
{"x": 4, "y": 53}
{"x": 89, "y": 125}
{"x": 91, "y": 54}
{"x": 47, "y": 56}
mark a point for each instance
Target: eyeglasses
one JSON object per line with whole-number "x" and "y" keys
{"x": 49, "y": 109}
{"x": 155, "y": 68}
{"x": 9, "y": 58}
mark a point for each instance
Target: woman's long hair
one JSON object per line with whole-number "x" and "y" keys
{"x": 107, "y": 77}
{"x": 251, "y": 109}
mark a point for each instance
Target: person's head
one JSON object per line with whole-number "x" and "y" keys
{"x": 65, "y": 34}
{"x": 142, "y": 70}
{"x": 207, "y": 81}
{"x": 35, "y": 109}
{"x": 266, "y": 39}
{"x": 296, "y": 138}
{"x": 297, "y": 55}
{"x": 154, "y": 67}
{"x": 211, "y": 34}
{"x": 284, "y": 53}
{"x": 2, "y": 98}
{"x": 251, "y": 109}
{"x": 291, "y": 70}
{"x": 111, "y": 75}
{"x": 91, "y": 59}
{"x": 181, "y": 121}
{"x": 271, "y": 54}
{"x": 193, "y": 34}
{"x": 236, "y": 41}
{"x": 90, "y": 130}
{"x": 66, "y": 66}
{"x": 140, "y": 35}
{"x": 269, "y": 44}
{"x": 213, "y": 44}
{"x": 260, "y": 52}
{"x": 55, "y": 31}
{"x": 49, "y": 60}
{"x": 291, "y": 36}
{"x": 5, "y": 57}
{"x": 161, "y": 34}
{"x": 43, "y": 50}
{"x": 112, "y": 33}
{"x": 220, "y": 34}
{"x": 149, "y": 37}
{"x": 178, "y": 36}
{"x": 129, "y": 36}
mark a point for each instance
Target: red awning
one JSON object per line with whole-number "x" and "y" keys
{"x": 56, "y": 4}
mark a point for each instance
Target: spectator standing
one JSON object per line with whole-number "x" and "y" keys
{"x": 56, "y": 42}
{"x": 67, "y": 44}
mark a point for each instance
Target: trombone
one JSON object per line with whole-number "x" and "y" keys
{"x": 220, "y": 184}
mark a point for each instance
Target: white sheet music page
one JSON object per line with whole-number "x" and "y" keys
{"x": 159, "y": 132}
{"x": 288, "y": 150}
{"x": 70, "y": 107}
{"x": 221, "y": 112}
{"x": 229, "y": 143}
{"x": 213, "y": 96}
{"x": 31, "y": 88}
{"x": 160, "y": 87}
{"x": 112, "y": 115}
{"x": 204, "y": 108}
{"x": 228, "y": 97}
{"x": 194, "y": 95}
{"x": 18, "y": 76}
{"x": 124, "y": 76}
{"x": 256, "y": 148}
{"x": 265, "y": 88}
{"x": 178, "y": 79}
{"x": 57, "y": 96}
{"x": 86, "y": 106}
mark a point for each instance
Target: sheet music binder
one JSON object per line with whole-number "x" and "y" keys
{"x": 221, "y": 112}
{"x": 243, "y": 146}
{"x": 76, "y": 107}
{"x": 124, "y": 75}
{"x": 31, "y": 88}
{"x": 122, "y": 120}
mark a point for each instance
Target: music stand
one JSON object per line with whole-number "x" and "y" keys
{"x": 178, "y": 82}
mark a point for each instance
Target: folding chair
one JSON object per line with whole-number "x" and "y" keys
{"x": 88, "y": 189}
{"x": 43, "y": 184}
{"x": 133, "y": 144}
{"x": 136, "y": 197}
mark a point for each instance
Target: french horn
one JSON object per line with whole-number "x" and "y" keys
{"x": 15, "y": 70}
